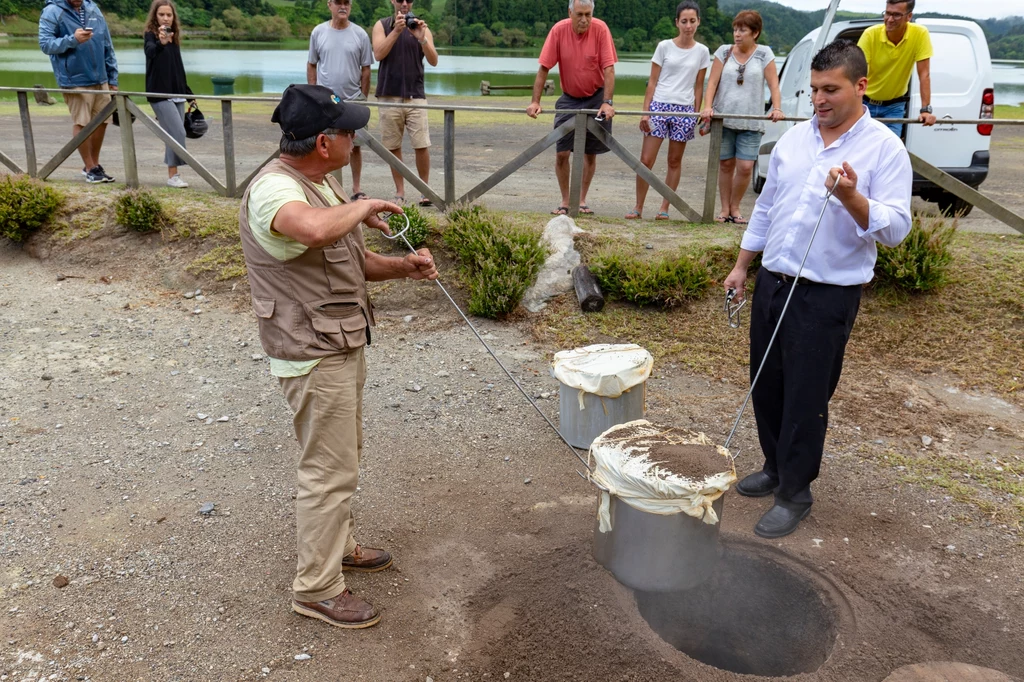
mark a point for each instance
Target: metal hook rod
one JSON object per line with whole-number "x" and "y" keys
{"x": 796, "y": 280}
{"x": 401, "y": 235}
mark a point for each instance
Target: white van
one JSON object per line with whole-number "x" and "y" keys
{"x": 962, "y": 88}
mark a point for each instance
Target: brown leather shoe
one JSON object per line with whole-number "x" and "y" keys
{"x": 344, "y": 611}
{"x": 366, "y": 560}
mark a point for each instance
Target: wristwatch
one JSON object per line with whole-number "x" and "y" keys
{"x": 607, "y": 101}
{"x": 926, "y": 109}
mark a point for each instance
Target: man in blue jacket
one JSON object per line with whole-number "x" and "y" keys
{"x": 75, "y": 35}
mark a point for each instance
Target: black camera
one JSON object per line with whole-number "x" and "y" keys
{"x": 411, "y": 20}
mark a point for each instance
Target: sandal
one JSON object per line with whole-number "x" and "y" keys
{"x": 662, "y": 216}
{"x": 738, "y": 220}
{"x": 634, "y": 215}
{"x": 723, "y": 218}
{"x": 561, "y": 210}
{"x": 585, "y": 210}
{"x": 400, "y": 200}
{"x": 358, "y": 195}
{"x": 425, "y": 202}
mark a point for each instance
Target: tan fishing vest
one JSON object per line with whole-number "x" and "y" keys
{"x": 313, "y": 305}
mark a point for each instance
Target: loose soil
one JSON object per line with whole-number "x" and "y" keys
{"x": 695, "y": 462}
{"x": 123, "y": 411}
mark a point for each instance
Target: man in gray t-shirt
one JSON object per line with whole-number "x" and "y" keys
{"x": 340, "y": 56}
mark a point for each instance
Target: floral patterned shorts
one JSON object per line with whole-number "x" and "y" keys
{"x": 676, "y": 129}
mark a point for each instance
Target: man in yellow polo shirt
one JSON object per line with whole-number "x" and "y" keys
{"x": 892, "y": 49}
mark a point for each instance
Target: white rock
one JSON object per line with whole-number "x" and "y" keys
{"x": 200, "y": 415}
{"x": 926, "y": 440}
{"x": 222, "y": 419}
{"x": 407, "y": 319}
{"x": 555, "y": 276}
{"x": 265, "y": 670}
{"x": 302, "y": 657}
{"x": 817, "y": 542}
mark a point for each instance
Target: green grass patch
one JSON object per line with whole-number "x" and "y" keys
{"x": 222, "y": 262}
{"x": 139, "y": 210}
{"x": 420, "y": 225}
{"x": 498, "y": 259}
{"x": 666, "y": 282}
{"x": 1009, "y": 111}
{"x": 993, "y": 485}
{"x": 920, "y": 263}
{"x": 25, "y": 206}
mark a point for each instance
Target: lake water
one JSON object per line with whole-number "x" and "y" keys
{"x": 258, "y": 68}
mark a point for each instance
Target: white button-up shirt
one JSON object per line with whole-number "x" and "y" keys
{"x": 843, "y": 253}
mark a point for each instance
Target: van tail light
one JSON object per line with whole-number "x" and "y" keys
{"x": 988, "y": 110}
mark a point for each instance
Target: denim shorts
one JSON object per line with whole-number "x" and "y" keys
{"x": 740, "y": 144}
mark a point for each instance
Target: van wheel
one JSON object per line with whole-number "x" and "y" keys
{"x": 758, "y": 180}
{"x": 953, "y": 206}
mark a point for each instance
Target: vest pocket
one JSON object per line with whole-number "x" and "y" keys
{"x": 341, "y": 326}
{"x": 270, "y": 332}
{"x": 342, "y": 274}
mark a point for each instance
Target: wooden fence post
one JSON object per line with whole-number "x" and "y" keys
{"x": 449, "y": 157}
{"x": 579, "y": 145}
{"x": 229, "y": 148}
{"x": 26, "y": 130}
{"x": 711, "y": 188}
{"x": 124, "y": 117}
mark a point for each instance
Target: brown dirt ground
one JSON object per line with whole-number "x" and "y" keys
{"x": 493, "y": 577}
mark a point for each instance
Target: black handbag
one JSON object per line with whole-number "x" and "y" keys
{"x": 195, "y": 123}
{"x": 116, "y": 120}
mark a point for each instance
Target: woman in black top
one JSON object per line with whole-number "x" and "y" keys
{"x": 166, "y": 73}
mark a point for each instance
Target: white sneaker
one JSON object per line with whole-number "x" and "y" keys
{"x": 176, "y": 181}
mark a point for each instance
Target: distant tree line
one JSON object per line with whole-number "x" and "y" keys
{"x": 637, "y": 25}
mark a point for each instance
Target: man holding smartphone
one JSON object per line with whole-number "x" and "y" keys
{"x": 75, "y": 35}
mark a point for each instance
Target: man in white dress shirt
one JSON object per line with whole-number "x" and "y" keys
{"x": 840, "y": 144}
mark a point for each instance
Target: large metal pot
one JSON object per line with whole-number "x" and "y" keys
{"x": 658, "y": 553}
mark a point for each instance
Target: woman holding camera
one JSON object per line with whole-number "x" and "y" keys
{"x": 165, "y": 73}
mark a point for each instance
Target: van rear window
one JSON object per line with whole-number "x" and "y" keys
{"x": 956, "y": 61}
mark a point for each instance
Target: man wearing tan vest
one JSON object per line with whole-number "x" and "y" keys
{"x": 308, "y": 269}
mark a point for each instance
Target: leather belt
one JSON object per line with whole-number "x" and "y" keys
{"x": 790, "y": 278}
{"x": 886, "y": 102}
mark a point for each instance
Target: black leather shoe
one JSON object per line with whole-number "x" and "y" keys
{"x": 781, "y": 520}
{"x": 757, "y": 485}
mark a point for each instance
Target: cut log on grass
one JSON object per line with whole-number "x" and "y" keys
{"x": 587, "y": 291}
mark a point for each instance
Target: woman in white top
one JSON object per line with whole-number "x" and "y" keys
{"x": 736, "y": 86}
{"x": 676, "y": 86}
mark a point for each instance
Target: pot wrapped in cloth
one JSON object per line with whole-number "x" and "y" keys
{"x": 660, "y": 470}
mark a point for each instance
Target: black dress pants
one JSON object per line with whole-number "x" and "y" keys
{"x": 800, "y": 375}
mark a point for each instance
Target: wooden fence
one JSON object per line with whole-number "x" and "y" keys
{"x": 581, "y": 122}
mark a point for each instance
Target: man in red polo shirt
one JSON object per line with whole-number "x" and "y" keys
{"x": 583, "y": 49}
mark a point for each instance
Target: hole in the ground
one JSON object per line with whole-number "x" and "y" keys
{"x": 755, "y": 616}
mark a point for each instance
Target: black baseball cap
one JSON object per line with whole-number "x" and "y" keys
{"x": 306, "y": 110}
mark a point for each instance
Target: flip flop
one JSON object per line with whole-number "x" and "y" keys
{"x": 738, "y": 220}
{"x": 585, "y": 210}
{"x": 358, "y": 195}
{"x": 723, "y": 218}
{"x": 425, "y": 202}
{"x": 662, "y": 216}
{"x": 561, "y": 210}
{"x": 634, "y": 215}
{"x": 400, "y": 200}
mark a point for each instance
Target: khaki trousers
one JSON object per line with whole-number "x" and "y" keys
{"x": 328, "y": 407}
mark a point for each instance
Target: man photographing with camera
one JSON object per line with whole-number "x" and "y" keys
{"x": 400, "y": 42}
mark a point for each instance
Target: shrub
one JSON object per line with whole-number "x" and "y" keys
{"x": 920, "y": 263}
{"x": 420, "y": 226}
{"x": 666, "y": 282}
{"x": 498, "y": 260}
{"x": 139, "y": 210}
{"x": 25, "y": 206}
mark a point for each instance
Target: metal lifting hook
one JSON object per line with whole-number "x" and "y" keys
{"x": 401, "y": 235}
{"x": 796, "y": 280}
{"x": 732, "y": 310}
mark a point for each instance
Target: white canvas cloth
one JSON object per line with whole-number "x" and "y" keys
{"x": 605, "y": 369}
{"x": 623, "y": 467}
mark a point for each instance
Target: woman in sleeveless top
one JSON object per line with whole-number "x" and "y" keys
{"x": 736, "y": 86}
